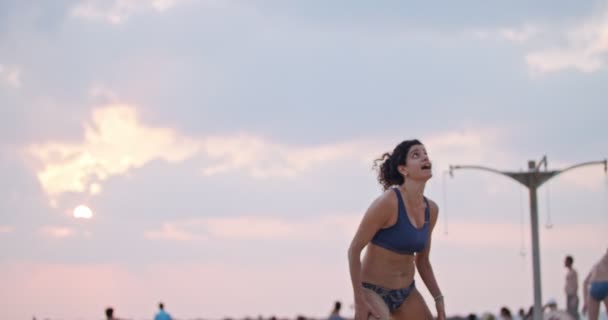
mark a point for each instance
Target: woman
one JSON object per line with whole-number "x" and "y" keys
{"x": 595, "y": 288}
{"x": 397, "y": 230}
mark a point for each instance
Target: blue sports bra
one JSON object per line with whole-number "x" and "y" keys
{"x": 403, "y": 237}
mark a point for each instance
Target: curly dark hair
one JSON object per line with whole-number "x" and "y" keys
{"x": 387, "y": 164}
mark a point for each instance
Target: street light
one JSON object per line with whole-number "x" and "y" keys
{"x": 532, "y": 179}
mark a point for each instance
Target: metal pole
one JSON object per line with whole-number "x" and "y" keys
{"x": 533, "y": 179}
{"x": 538, "y": 314}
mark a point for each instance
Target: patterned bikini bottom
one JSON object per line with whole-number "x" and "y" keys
{"x": 393, "y": 298}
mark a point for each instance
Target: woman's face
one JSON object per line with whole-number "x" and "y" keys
{"x": 418, "y": 165}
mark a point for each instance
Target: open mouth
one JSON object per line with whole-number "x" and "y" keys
{"x": 426, "y": 167}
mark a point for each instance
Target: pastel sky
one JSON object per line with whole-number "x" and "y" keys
{"x": 226, "y": 148}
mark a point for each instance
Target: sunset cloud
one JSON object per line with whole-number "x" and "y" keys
{"x": 57, "y": 232}
{"x": 341, "y": 227}
{"x": 257, "y": 228}
{"x": 6, "y": 229}
{"x": 508, "y": 235}
{"x": 10, "y": 75}
{"x": 262, "y": 158}
{"x": 118, "y": 11}
{"x": 114, "y": 143}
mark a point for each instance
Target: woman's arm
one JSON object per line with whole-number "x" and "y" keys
{"x": 425, "y": 269}
{"x": 376, "y": 217}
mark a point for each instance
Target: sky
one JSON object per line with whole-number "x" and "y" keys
{"x": 225, "y": 149}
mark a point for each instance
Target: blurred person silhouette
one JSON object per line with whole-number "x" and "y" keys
{"x": 110, "y": 314}
{"x": 505, "y": 314}
{"x": 595, "y": 288}
{"x": 571, "y": 288}
{"x": 551, "y": 312}
{"x": 335, "y": 313}
{"x": 487, "y": 316}
{"x": 162, "y": 314}
{"x": 521, "y": 314}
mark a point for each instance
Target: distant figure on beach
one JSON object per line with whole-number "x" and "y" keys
{"x": 595, "y": 288}
{"x": 397, "y": 230}
{"x": 571, "y": 288}
{"x": 505, "y": 314}
{"x": 530, "y": 314}
{"x": 162, "y": 314}
{"x": 487, "y": 316}
{"x": 552, "y": 313}
{"x": 110, "y": 314}
{"x": 521, "y": 314}
{"x": 335, "y": 313}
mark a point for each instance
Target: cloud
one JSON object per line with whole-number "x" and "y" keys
{"x": 261, "y": 158}
{"x": 552, "y": 60}
{"x": 551, "y": 47}
{"x": 114, "y": 143}
{"x": 257, "y": 228}
{"x": 172, "y": 231}
{"x": 517, "y": 35}
{"x": 584, "y": 47}
{"x": 508, "y": 235}
{"x": 468, "y": 147}
{"x": 520, "y": 35}
{"x": 341, "y": 227}
{"x": 11, "y": 75}
{"x": 264, "y": 159}
{"x": 57, "y": 231}
{"x": 118, "y": 11}
{"x": 6, "y": 229}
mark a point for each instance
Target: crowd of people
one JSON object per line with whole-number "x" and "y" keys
{"x": 160, "y": 315}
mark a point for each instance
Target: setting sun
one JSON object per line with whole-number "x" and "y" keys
{"x": 83, "y": 212}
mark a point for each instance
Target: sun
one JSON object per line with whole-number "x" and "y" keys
{"x": 83, "y": 212}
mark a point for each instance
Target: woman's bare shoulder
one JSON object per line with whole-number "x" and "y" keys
{"x": 384, "y": 204}
{"x": 434, "y": 210}
{"x": 433, "y": 206}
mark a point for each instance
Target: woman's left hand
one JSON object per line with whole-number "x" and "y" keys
{"x": 440, "y": 305}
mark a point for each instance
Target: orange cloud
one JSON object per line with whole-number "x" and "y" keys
{"x": 508, "y": 235}
{"x": 114, "y": 143}
{"x": 6, "y": 229}
{"x": 257, "y": 227}
{"x": 11, "y": 75}
{"x": 57, "y": 231}
{"x": 261, "y": 158}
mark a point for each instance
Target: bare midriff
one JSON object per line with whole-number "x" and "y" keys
{"x": 387, "y": 269}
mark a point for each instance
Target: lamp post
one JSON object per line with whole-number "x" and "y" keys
{"x": 533, "y": 179}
